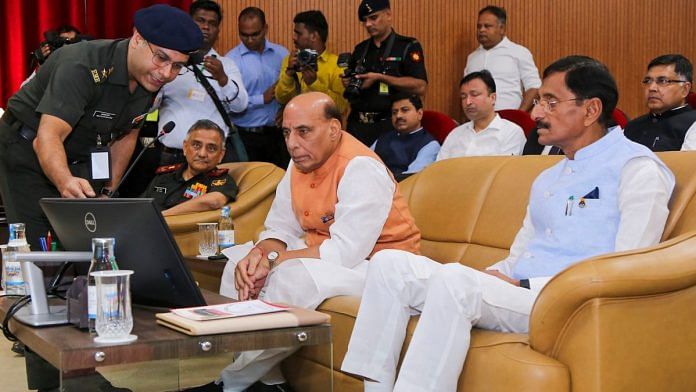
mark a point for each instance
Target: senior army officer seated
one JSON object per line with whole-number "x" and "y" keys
{"x": 197, "y": 185}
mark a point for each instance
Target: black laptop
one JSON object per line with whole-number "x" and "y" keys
{"x": 144, "y": 244}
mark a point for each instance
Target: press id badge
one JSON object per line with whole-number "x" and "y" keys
{"x": 383, "y": 88}
{"x": 100, "y": 163}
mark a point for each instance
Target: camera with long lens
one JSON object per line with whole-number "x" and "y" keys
{"x": 307, "y": 59}
{"x": 54, "y": 41}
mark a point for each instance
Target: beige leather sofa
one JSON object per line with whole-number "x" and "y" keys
{"x": 257, "y": 182}
{"x": 620, "y": 322}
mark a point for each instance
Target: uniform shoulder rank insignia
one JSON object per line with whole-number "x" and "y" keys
{"x": 219, "y": 182}
{"x": 100, "y": 77}
{"x": 217, "y": 173}
{"x": 168, "y": 168}
{"x": 106, "y": 72}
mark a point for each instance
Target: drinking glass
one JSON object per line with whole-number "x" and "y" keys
{"x": 207, "y": 239}
{"x": 114, "y": 317}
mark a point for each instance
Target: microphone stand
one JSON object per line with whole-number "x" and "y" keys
{"x": 165, "y": 130}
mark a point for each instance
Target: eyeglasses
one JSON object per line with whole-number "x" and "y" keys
{"x": 661, "y": 81}
{"x": 549, "y": 105}
{"x": 162, "y": 60}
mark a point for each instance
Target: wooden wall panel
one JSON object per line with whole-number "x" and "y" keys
{"x": 624, "y": 34}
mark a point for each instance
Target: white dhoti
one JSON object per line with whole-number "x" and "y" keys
{"x": 451, "y": 299}
{"x": 304, "y": 283}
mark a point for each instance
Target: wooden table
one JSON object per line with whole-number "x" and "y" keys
{"x": 74, "y": 353}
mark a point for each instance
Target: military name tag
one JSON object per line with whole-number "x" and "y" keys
{"x": 104, "y": 115}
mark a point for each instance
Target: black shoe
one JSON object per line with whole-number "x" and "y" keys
{"x": 18, "y": 348}
{"x": 258, "y": 386}
{"x": 210, "y": 387}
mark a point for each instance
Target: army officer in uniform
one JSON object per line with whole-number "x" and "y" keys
{"x": 70, "y": 132}
{"x": 197, "y": 185}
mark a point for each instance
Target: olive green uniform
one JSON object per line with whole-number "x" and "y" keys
{"x": 169, "y": 188}
{"x": 85, "y": 84}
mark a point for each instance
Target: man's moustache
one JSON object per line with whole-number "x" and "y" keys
{"x": 542, "y": 124}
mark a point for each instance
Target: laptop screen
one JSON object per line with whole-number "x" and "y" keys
{"x": 144, "y": 244}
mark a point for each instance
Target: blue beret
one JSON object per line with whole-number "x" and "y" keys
{"x": 368, "y": 7}
{"x": 169, "y": 27}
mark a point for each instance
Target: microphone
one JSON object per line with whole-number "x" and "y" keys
{"x": 167, "y": 128}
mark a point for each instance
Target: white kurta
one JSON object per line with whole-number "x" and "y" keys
{"x": 365, "y": 195}
{"x": 500, "y": 137}
{"x": 453, "y": 298}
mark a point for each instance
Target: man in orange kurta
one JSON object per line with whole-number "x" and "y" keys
{"x": 336, "y": 206}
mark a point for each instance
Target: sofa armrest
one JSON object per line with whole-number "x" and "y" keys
{"x": 624, "y": 319}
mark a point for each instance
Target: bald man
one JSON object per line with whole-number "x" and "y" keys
{"x": 336, "y": 206}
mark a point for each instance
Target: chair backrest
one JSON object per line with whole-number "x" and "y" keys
{"x": 691, "y": 100}
{"x": 519, "y": 117}
{"x": 620, "y": 118}
{"x": 470, "y": 209}
{"x": 438, "y": 124}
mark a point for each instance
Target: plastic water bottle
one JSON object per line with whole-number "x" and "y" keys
{"x": 13, "y": 280}
{"x": 225, "y": 229}
{"x": 103, "y": 259}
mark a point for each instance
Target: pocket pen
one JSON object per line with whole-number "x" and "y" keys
{"x": 569, "y": 206}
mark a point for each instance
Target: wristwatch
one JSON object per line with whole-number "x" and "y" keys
{"x": 272, "y": 257}
{"x": 106, "y": 192}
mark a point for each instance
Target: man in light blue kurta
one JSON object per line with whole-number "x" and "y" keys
{"x": 609, "y": 194}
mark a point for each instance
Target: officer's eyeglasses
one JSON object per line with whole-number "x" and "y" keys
{"x": 162, "y": 60}
{"x": 549, "y": 105}
{"x": 661, "y": 81}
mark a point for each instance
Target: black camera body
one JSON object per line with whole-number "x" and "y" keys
{"x": 54, "y": 41}
{"x": 307, "y": 59}
{"x": 354, "y": 86}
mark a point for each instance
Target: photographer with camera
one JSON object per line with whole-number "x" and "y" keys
{"x": 186, "y": 100}
{"x": 54, "y": 39}
{"x": 311, "y": 67}
{"x": 380, "y": 67}
{"x": 71, "y": 131}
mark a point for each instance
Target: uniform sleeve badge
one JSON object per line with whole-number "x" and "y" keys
{"x": 416, "y": 57}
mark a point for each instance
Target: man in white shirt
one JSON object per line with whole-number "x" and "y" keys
{"x": 486, "y": 133}
{"x": 609, "y": 194}
{"x": 336, "y": 206}
{"x": 186, "y": 101}
{"x": 512, "y": 65}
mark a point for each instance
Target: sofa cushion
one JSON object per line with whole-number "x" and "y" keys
{"x": 509, "y": 352}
